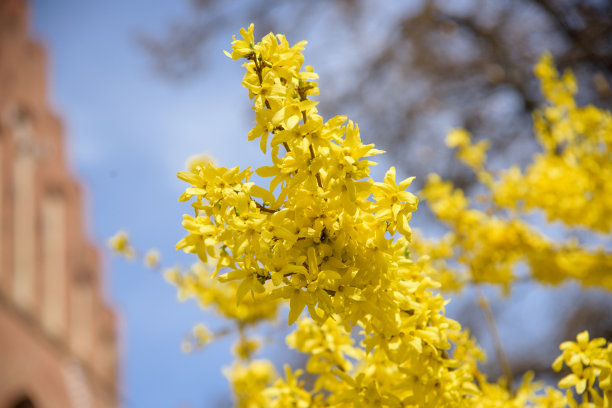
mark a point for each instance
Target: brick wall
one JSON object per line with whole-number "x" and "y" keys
{"x": 57, "y": 334}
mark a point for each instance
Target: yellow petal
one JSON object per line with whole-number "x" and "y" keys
{"x": 296, "y": 305}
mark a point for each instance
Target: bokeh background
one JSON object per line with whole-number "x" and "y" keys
{"x": 143, "y": 85}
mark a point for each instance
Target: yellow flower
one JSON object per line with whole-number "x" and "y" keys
{"x": 120, "y": 243}
{"x": 245, "y": 47}
{"x": 458, "y": 138}
{"x": 151, "y": 258}
{"x": 249, "y": 382}
{"x": 474, "y": 155}
{"x": 393, "y": 203}
{"x": 587, "y": 360}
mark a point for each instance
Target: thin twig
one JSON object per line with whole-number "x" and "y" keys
{"x": 264, "y": 209}
{"x": 483, "y": 303}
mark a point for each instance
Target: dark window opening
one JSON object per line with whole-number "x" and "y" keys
{"x": 23, "y": 402}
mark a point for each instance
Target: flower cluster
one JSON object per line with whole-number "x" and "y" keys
{"x": 198, "y": 283}
{"x": 323, "y": 237}
{"x": 591, "y": 365}
{"x": 326, "y": 238}
{"x": 570, "y": 181}
{"x": 576, "y": 164}
{"x": 315, "y": 234}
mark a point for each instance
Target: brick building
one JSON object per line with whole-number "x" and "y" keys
{"x": 57, "y": 334}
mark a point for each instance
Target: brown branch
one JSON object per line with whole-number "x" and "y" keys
{"x": 258, "y": 70}
{"x": 264, "y": 209}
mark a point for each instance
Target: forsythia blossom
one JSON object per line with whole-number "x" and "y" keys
{"x": 151, "y": 258}
{"x": 326, "y": 238}
{"x": 120, "y": 244}
{"x": 591, "y": 364}
{"x": 570, "y": 181}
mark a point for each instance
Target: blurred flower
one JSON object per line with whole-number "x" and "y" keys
{"x": 151, "y": 258}
{"x": 199, "y": 337}
{"x": 120, "y": 244}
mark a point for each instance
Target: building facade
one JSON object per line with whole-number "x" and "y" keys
{"x": 57, "y": 333}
